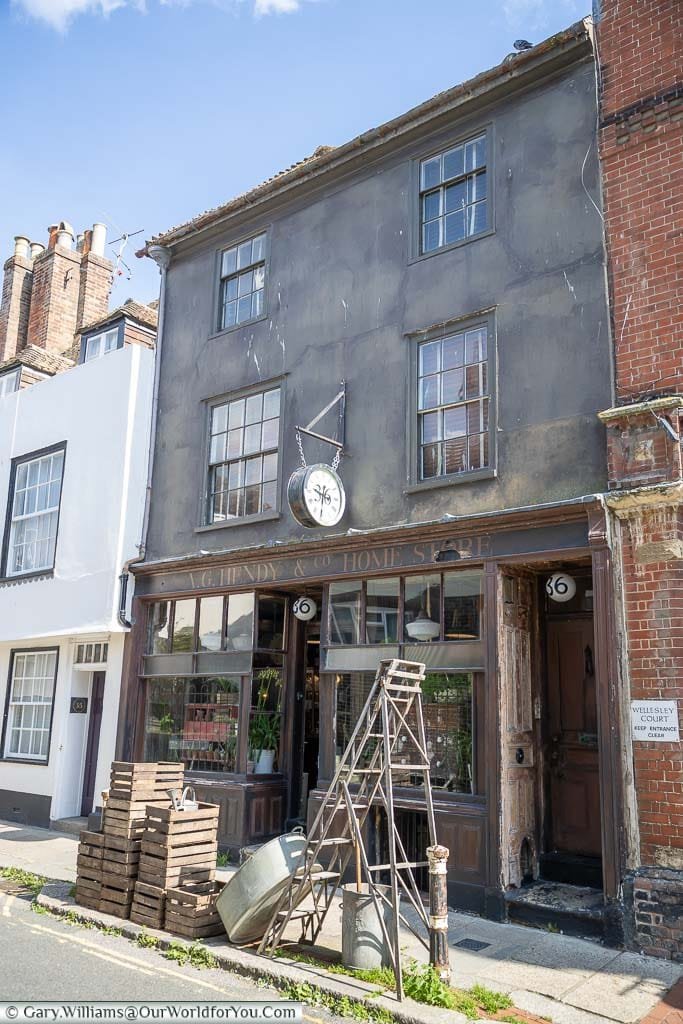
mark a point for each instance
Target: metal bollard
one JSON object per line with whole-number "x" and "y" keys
{"x": 438, "y": 911}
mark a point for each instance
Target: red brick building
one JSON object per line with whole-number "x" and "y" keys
{"x": 638, "y": 49}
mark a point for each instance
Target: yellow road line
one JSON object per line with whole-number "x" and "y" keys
{"x": 112, "y": 959}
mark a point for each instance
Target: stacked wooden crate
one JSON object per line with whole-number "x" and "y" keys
{"x": 191, "y": 910}
{"x": 89, "y": 869}
{"x": 177, "y": 847}
{"x": 133, "y": 788}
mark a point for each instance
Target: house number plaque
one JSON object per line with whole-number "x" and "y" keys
{"x": 79, "y": 705}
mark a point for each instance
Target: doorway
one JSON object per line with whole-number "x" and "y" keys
{"x": 93, "y": 743}
{"x": 572, "y": 821}
{"x": 305, "y": 710}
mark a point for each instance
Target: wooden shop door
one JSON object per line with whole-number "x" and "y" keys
{"x": 573, "y": 824}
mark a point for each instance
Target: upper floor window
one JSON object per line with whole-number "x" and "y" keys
{"x": 99, "y": 344}
{"x": 243, "y": 456}
{"x": 242, "y": 282}
{"x": 34, "y": 513}
{"x": 453, "y": 195}
{"x": 453, "y": 404}
{"x": 9, "y": 382}
{"x": 29, "y": 704}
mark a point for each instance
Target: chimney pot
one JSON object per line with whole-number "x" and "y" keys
{"x": 51, "y": 236}
{"x": 80, "y": 242}
{"x": 36, "y": 249}
{"x": 65, "y": 234}
{"x": 99, "y": 237}
{"x": 21, "y": 246}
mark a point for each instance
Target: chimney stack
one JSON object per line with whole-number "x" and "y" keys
{"x": 16, "y": 299}
{"x": 96, "y": 277}
{"x": 49, "y": 293}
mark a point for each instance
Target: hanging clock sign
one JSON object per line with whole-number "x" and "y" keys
{"x": 560, "y": 587}
{"x": 316, "y": 495}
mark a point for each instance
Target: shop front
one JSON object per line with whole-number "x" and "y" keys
{"x": 257, "y": 691}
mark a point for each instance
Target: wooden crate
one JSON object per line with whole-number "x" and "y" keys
{"x": 116, "y": 894}
{"x": 88, "y": 892}
{"x": 120, "y": 844}
{"x": 148, "y": 906}
{"x": 179, "y": 846}
{"x": 191, "y": 910}
{"x": 140, "y": 781}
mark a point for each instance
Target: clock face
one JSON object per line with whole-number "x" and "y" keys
{"x": 316, "y": 496}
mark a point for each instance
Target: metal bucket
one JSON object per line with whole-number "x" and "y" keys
{"x": 363, "y": 944}
{"x": 247, "y": 901}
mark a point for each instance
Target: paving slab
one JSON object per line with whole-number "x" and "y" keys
{"x": 41, "y": 850}
{"x": 630, "y": 986}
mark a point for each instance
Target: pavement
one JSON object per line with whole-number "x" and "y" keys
{"x": 569, "y": 980}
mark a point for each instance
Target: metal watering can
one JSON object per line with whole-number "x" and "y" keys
{"x": 185, "y": 800}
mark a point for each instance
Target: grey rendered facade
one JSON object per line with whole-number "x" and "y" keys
{"x": 349, "y": 296}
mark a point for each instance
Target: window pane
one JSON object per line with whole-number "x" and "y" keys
{"x": 474, "y": 382}
{"x": 270, "y": 466}
{"x": 431, "y": 205}
{"x": 158, "y": 641}
{"x": 252, "y": 438}
{"x": 240, "y": 621}
{"x": 477, "y": 218}
{"x": 344, "y": 621}
{"x": 257, "y": 303}
{"x": 431, "y": 173}
{"x": 229, "y": 262}
{"x": 252, "y": 499}
{"x": 476, "y": 187}
{"x": 219, "y": 419}
{"x": 235, "y": 443}
{"x": 210, "y": 623}
{"x": 245, "y": 283}
{"x": 269, "y": 496}
{"x": 475, "y": 153}
{"x": 431, "y": 236}
{"x": 456, "y": 197}
{"x": 244, "y": 309}
{"x": 258, "y": 249}
{"x": 229, "y": 318}
{"x": 431, "y": 461}
{"x": 183, "y": 626}
{"x": 476, "y": 345}
{"x": 423, "y": 601}
{"x": 217, "y": 452}
{"x": 455, "y": 422}
{"x": 454, "y": 227}
{"x": 352, "y": 690}
{"x": 453, "y": 163}
{"x": 271, "y": 623}
{"x": 453, "y": 387}
{"x": 271, "y": 404}
{"x": 429, "y": 392}
{"x": 236, "y": 416}
{"x": 252, "y": 473}
{"x": 243, "y": 255}
{"x": 462, "y": 606}
{"x": 453, "y": 351}
{"x": 270, "y": 434}
{"x": 430, "y": 358}
{"x": 194, "y": 721}
{"x": 447, "y": 710}
{"x": 431, "y": 427}
{"x": 455, "y": 455}
{"x": 30, "y": 706}
{"x": 230, "y": 289}
{"x": 253, "y": 408}
{"x": 381, "y": 611}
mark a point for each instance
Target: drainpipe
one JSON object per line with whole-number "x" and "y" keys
{"x": 162, "y": 257}
{"x": 123, "y": 594}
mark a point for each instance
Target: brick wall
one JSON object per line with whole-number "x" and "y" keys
{"x": 54, "y": 299}
{"x": 641, "y": 149}
{"x": 15, "y": 305}
{"x": 639, "y": 44}
{"x": 96, "y": 282}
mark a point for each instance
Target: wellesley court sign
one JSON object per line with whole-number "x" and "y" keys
{"x": 655, "y": 720}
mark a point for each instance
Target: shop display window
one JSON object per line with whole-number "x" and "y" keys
{"x": 447, "y": 704}
{"x": 345, "y": 612}
{"x": 225, "y": 623}
{"x": 381, "y": 611}
{"x": 194, "y": 721}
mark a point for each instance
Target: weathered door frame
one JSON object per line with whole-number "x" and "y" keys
{"x": 92, "y": 745}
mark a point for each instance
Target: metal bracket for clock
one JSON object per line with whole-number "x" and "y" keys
{"x": 339, "y": 399}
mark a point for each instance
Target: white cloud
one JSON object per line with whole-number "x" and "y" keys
{"x": 59, "y": 13}
{"x": 275, "y": 7}
{"x": 534, "y": 15}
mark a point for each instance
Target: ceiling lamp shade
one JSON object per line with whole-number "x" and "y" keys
{"x": 422, "y": 628}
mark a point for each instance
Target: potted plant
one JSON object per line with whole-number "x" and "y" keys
{"x": 264, "y": 731}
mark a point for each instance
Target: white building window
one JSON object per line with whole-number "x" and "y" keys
{"x": 100, "y": 344}
{"x": 29, "y": 709}
{"x": 34, "y": 513}
{"x": 9, "y": 382}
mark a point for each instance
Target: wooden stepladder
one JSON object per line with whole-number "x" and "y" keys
{"x": 388, "y": 745}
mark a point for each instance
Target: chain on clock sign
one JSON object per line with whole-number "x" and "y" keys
{"x": 316, "y": 493}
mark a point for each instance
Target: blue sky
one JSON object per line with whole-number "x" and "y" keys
{"x": 142, "y": 113}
